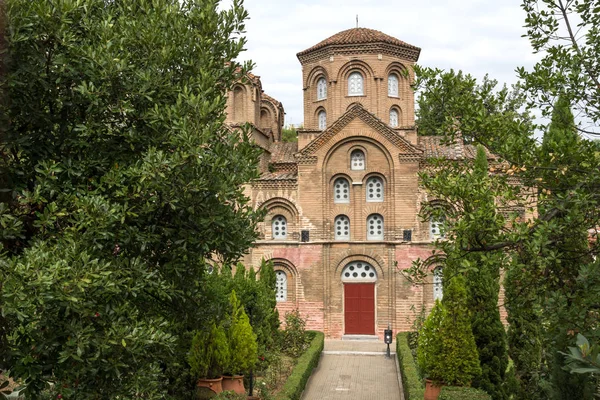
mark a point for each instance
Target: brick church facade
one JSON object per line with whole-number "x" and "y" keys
{"x": 343, "y": 201}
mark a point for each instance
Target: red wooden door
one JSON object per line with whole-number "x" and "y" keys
{"x": 359, "y": 308}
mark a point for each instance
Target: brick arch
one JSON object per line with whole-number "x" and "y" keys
{"x": 398, "y": 109}
{"x": 281, "y": 206}
{"x": 351, "y": 255}
{"x": 314, "y": 75}
{"x": 397, "y": 67}
{"x": 344, "y": 138}
{"x": 351, "y": 66}
{"x": 283, "y": 202}
{"x": 285, "y": 265}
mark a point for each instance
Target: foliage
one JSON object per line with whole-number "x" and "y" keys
{"x": 583, "y": 358}
{"x": 429, "y": 349}
{"x": 458, "y": 360}
{"x": 209, "y": 352}
{"x": 230, "y": 395}
{"x": 411, "y": 381}
{"x": 289, "y": 134}
{"x": 462, "y": 393}
{"x": 567, "y": 34}
{"x": 123, "y": 185}
{"x": 243, "y": 348}
{"x": 294, "y": 337}
{"x": 307, "y": 362}
{"x": 417, "y": 324}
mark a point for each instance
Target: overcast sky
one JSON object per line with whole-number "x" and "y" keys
{"x": 476, "y": 36}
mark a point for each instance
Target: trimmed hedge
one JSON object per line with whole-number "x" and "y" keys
{"x": 411, "y": 381}
{"x": 296, "y": 382}
{"x": 462, "y": 393}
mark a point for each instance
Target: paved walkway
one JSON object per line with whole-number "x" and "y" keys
{"x": 354, "y": 370}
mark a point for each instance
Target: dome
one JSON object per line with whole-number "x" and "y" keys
{"x": 362, "y": 36}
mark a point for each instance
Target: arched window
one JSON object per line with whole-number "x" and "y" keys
{"x": 280, "y": 286}
{"x": 393, "y": 85}
{"x": 375, "y": 189}
{"x": 438, "y": 290}
{"x": 322, "y": 120}
{"x": 342, "y": 227}
{"x": 435, "y": 228}
{"x": 375, "y": 227}
{"x": 341, "y": 191}
{"x": 321, "y": 89}
{"x": 394, "y": 118}
{"x": 357, "y": 160}
{"x": 279, "y": 227}
{"x": 359, "y": 271}
{"x": 355, "y": 84}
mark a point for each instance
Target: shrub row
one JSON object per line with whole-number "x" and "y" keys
{"x": 463, "y": 393}
{"x": 292, "y": 390}
{"x": 413, "y": 384}
{"x": 411, "y": 381}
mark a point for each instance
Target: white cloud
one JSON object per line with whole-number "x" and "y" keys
{"x": 476, "y": 36}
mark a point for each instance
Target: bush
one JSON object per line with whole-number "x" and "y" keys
{"x": 295, "y": 384}
{"x": 429, "y": 349}
{"x": 462, "y": 393}
{"x": 411, "y": 381}
{"x": 295, "y": 340}
{"x": 242, "y": 340}
{"x": 209, "y": 353}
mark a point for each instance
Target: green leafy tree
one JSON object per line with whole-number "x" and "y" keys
{"x": 289, "y": 134}
{"x": 122, "y": 184}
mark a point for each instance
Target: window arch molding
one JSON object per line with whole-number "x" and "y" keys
{"x": 355, "y": 66}
{"x": 312, "y": 80}
{"x": 353, "y": 256}
{"x": 280, "y": 206}
{"x": 379, "y": 194}
{"x": 282, "y": 264}
{"x": 401, "y": 71}
{"x": 357, "y": 142}
{"x": 318, "y": 115}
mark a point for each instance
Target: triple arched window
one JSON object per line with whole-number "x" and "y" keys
{"x": 375, "y": 227}
{"x": 321, "y": 89}
{"x": 322, "y": 120}
{"x": 374, "y": 189}
{"x": 393, "y": 85}
{"x": 355, "y": 84}
{"x": 279, "y": 227}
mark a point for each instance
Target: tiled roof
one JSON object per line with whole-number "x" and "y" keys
{"x": 283, "y": 152}
{"x": 358, "y": 36}
{"x": 278, "y": 176}
{"x": 271, "y": 99}
{"x": 433, "y": 148}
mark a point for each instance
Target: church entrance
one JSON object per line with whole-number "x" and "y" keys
{"x": 359, "y": 306}
{"x": 359, "y": 298}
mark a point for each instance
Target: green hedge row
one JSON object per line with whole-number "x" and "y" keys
{"x": 463, "y": 393}
{"x": 411, "y": 381}
{"x": 296, "y": 382}
{"x": 413, "y": 384}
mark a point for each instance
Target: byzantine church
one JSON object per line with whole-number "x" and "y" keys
{"x": 343, "y": 201}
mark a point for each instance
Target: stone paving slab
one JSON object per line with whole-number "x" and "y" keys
{"x": 357, "y": 345}
{"x": 352, "y": 376}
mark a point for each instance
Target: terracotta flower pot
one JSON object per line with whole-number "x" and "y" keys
{"x": 214, "y": 385}
{"x": 235, "y": 383}
{"x": 432, "y": 389}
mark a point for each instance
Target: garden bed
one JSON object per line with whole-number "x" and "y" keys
{"x": 413, "y": 383}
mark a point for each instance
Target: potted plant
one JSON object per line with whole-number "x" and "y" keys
{"x": 243, "y": 348}
{"x": 208, "y": 355}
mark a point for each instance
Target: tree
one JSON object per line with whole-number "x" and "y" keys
{"x": 289, "y": 134}
{"x": 547, "y": 195}
{"x": 124, "y": 185}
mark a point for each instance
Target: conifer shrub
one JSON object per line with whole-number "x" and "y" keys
{"x": 430, "y": 343}
{"x": 209, "y": 352}
{"x": 243, "y": 349}
{"x": 458, "y": 361}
